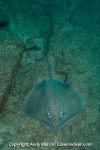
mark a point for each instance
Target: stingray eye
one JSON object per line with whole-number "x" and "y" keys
{"x": 61, "y": 114}
{"x": 49, "y": 115}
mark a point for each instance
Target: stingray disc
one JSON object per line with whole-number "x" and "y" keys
{"x": 53, "y": 103}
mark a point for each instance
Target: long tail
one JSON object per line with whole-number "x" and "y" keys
{"x": 47, "y": 43}
{"x": 49, "y": 67}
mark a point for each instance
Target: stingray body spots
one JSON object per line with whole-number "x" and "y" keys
{"x": 54, "y": 114}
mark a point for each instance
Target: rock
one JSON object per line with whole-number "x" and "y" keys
{"x": 2, "y": 141}
{"x": 9, "y": 56}
{"x": 4, "y": 22}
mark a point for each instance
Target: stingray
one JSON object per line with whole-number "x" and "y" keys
{"x": 53, "y": 102}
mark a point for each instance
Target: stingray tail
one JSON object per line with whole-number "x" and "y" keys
{"x": 49, "y": 67}
{"x": 47, "y": 41}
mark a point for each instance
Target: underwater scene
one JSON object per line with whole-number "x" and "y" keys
{"x": 50, "y": 74}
